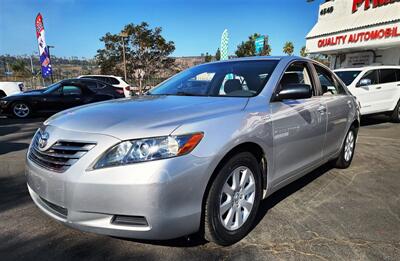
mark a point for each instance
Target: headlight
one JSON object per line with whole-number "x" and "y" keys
{"x": 148, "y": 149}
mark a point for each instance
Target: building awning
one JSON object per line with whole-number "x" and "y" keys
{"x": 342, "y": 19}
{"x": 334, "y": 29}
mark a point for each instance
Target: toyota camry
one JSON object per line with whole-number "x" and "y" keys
{"x": 197, "y": 153}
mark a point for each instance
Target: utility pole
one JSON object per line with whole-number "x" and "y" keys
{"x": 48, "y": 49}
{"x": 123, "y": 35}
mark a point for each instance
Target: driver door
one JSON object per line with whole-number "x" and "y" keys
{"x": 72, "y": 96}
{"x": 299, "y": 127}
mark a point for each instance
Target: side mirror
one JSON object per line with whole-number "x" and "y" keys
{"x": 364, "y": 82}
{"x": 294, "y": 91}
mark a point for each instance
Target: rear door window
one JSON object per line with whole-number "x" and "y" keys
{"x": 387, "y": 75}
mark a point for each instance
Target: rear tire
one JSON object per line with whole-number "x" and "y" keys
{"x": 21, "y": 110}
{"x": 233, "y": 200}
{"x": 2, "y": 94}
{"x": 347, "y": 151}
{"x": 395, "y": 117}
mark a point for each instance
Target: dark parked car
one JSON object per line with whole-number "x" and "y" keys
{"x": 57, "y": 97}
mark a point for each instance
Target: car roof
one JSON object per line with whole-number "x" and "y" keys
{"x": 83, "y": 79}
{"x": 368, "y": 68}
{"x": 98, "y": 75}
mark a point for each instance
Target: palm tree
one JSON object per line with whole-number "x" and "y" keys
{"x": 288, "y": 48}
{"x": 303, "y": 51}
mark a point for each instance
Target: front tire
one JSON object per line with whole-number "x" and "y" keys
{"x": 347, "y": 151}
{"x": 233, "y": 200}
{"x": 395, "y": 117}
{"x": 21, "y": 110}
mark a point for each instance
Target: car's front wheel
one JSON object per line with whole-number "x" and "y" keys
{"x": 233, "y": 200}
{"x": 21, "y": 110}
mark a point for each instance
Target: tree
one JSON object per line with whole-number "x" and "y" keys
{"x": 218, "y": 55}
{"x": 288, "y": 48}
{"x": 145, "y": 49}
{"x": 248, "y": 48}
{"x": 20, "y": 68}
{"x": 303, "y": 51}
{"x": 207, "y": 57}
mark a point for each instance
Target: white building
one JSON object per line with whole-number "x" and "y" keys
{"x": 356, "y": 33}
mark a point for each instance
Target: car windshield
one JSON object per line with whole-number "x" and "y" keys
{"x": 348, "y": 76}
{"x": 232, "y": 79}
{"x": 52, "y": 87}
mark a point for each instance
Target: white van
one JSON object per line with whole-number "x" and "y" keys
{"x": 9, "y": 88}
{"x": 377, "y": 88}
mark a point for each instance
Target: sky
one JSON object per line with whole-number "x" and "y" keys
{"x": 74, "y": 27}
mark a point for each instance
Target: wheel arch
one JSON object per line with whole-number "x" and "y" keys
{"x": 251, "y": 147}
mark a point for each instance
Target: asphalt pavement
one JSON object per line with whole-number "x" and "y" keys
{"x": 329, "y": 214}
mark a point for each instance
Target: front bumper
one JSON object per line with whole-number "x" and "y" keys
{"x": 167, "y": 193}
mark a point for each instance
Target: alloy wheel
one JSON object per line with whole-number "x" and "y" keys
{"x": 237, "y": 198}
{"x": 21, "y": 110}
{"x": 349, "y": 146}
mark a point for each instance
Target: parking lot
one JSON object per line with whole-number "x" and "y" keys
{"x": 329, "y": 214}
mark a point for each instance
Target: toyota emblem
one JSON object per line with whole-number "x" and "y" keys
{"x": 43, "y": 140}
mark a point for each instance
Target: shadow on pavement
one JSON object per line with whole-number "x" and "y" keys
{"x": 7, "y": 147}
{"x": 13, "y": 192}
{"x": 374, "y": 120}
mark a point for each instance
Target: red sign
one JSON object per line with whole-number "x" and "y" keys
{"x": 364, "y": 36}
{"x": 369, "y": 3}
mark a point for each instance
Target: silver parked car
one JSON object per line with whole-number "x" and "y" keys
{"x": 197, "y": 153}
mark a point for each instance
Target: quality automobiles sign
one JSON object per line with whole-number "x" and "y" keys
{"x": 369, "y": 3}
{"x": 363, "y": 36}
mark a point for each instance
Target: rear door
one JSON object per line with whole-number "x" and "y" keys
{"x": 389, "y": 86}
{"x": 298, "y": 127}
{"x": 339, "y": 105}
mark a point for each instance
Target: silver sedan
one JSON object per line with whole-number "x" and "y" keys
{"x": 195, "y": 154}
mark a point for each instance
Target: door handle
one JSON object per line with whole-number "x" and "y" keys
{"x": 379, "y": 87}
{"x": 77, "y": 99}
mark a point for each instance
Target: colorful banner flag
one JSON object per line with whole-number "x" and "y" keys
{"x": 224, "y": 45}
{"x": 43, "y": 48}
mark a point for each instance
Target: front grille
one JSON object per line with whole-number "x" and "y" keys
{"x": 60, "y": 156}
{"x": 63, "y": 212}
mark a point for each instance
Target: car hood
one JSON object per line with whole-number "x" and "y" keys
{"x": 145, "y": 116}
{"x": 27, "y": 93}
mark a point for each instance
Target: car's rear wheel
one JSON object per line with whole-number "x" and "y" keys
{"x": 21, "y": 110}
{"x": 233, "y": 200}
{"x": 2, "y": 94}
{"x": 396, "y": 114}
{"x": 347, "y": 151}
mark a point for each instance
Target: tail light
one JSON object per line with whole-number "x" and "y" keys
{"x": 128, "y": 88}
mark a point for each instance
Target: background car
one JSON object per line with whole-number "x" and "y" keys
{"x": 10, "y": 88}
{"x": 377, "y": 88}
{"x": 57, "y": 97}
{"x": 116, "y": 81}
{"x": 198, "y": 152}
